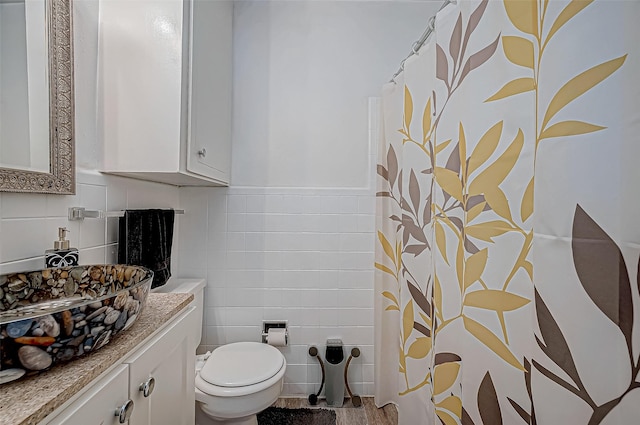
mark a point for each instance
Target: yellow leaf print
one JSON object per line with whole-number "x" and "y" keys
{"x": 426, "y": 121}
{"x": 517, "y": 86}
{"x": 475, "y": 267}
{"x": 526, "y": 209}
{"x": 486, "y": 146}
{"x": 475, "y": 211}
{"x": 442, "y": 146}
{"x": 441, "y": 241}
{"x": 579, "y": 85}
{"x": 407, "y": 321}
{"x": 452, "y": 404}
{"x": 449, "y": 181}
{"x": 492, "y": 342}
{"x": 419, "y": 348}
{"x": 445, "y": 376}
{"x": 446, "y": 418}
{"x": 495, "y": 173}
{"x": 523, "y": 14}
{"x": 460, "y": 264}
{"x": 488, "y": 230}
{"x": 492, "y": 299}
{"x": 518, "y": 50}
{"x": 385, "y": 269}
{"x": 437, "y": 298}
{"x": 386, "y": 246}
{"x": 391, "y": 297}
{"x": 462, "y": 151}
{"x": 569, "y": 128}
{"x": 571, "y": 10}
{"x": 497, "y": 200}
{"x": 408, "y": 108}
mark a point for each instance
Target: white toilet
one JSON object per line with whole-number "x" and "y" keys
{"x": 237, "y": 380}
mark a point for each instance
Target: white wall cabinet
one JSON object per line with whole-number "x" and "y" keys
{"x": 167, "y": 360}
{"x": 165, "y": 77}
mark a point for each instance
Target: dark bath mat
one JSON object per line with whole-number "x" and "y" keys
{"x": 282, "y": 416}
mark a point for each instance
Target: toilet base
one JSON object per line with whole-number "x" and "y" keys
{"x": 204, "y": 419}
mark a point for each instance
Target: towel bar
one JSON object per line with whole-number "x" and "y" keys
{"x": 80, "y": 213}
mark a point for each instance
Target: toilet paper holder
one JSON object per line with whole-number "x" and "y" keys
{"x": 274, "y": 324}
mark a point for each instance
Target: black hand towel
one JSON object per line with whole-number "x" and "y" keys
{"x": 145, "y": 240}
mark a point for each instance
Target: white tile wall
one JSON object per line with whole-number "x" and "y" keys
{"x": 29, "y": 222}
{"x": 301, "y": 255}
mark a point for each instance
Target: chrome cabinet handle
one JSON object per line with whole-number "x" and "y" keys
{"x": 202, "y": 152}
{"x": 148, "y": 386}
{"x": 124, "y": 412}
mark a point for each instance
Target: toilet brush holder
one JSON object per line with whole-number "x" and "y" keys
{"x": 335, "y": 368}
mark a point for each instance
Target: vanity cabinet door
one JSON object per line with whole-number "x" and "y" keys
{"x": 162, "y": 374}
{"x": 98, "y": 405}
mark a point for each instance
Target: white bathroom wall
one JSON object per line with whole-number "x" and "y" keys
{"x": 293, "y": 236}
{"x": 303, "y": 71}
{"x": 29, "y": 222}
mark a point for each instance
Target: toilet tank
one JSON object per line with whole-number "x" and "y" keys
{"x": 189, "y": 286}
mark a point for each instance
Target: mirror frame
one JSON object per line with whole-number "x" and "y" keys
{"x": 61, "y": 179}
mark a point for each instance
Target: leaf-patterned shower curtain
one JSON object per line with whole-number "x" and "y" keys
{"x": 507, "y": 259}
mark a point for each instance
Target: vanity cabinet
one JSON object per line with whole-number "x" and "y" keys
{"x": 162, "y": 378}
{"x": 157, "y": 378}
{"x": 98, "y": 404}
{"x": 165, "y": 77}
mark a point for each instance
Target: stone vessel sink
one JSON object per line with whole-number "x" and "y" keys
{"x": 55, "y": 315}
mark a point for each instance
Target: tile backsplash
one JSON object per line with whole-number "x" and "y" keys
{"x": 29, "y": 222}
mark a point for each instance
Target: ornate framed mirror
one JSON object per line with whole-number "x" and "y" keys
{"x": 54, "y": 88}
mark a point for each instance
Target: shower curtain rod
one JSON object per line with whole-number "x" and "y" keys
{"x": 418, "y": 44}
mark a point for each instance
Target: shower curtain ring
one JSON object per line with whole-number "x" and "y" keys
{"x": 432, "y": 23}
{"x": 415, "y": 48}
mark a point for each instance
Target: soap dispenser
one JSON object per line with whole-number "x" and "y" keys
{"x": 61, "y": 255}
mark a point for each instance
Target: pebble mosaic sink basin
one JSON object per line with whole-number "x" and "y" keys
{"x": 52, "y": 316}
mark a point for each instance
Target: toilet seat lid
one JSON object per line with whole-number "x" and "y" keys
{"x": 241, "y": 364}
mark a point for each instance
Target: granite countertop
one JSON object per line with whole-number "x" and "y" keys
{"x": 30, "y": 400}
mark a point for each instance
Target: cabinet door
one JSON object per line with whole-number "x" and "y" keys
{"x": 210, "y": 73}
{"x": 168, "y": 359}
{"x": 98, "y": 405}
{"x": 140, "y": 60}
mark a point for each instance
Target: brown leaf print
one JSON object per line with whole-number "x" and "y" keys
{"x": 488, "y": 402}
{"x": 414, "y": 191}
{"x": 392, "y": 166}
{"x": 441, "y": 358}
{"x": 555, "y": 345}
{"x": 382, "y": 172}
{"x": 456, "y": 40}
{"x": 479, "y": 58}
{"x": 526, "y": 417}
{"x": 453, "y": 163}
{"x": 442, "y": 66}
{"x": 420, "y": 299}
{"x": 603, "y": 272}
{"x": 474, "y": 19}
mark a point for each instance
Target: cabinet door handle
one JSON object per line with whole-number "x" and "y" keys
{"x": 147, "y": 386}
{"x": 202, "y": 152}
{"x": 124, "y": 412}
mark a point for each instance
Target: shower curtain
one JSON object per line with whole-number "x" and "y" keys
{"x": 508, "y": 243}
